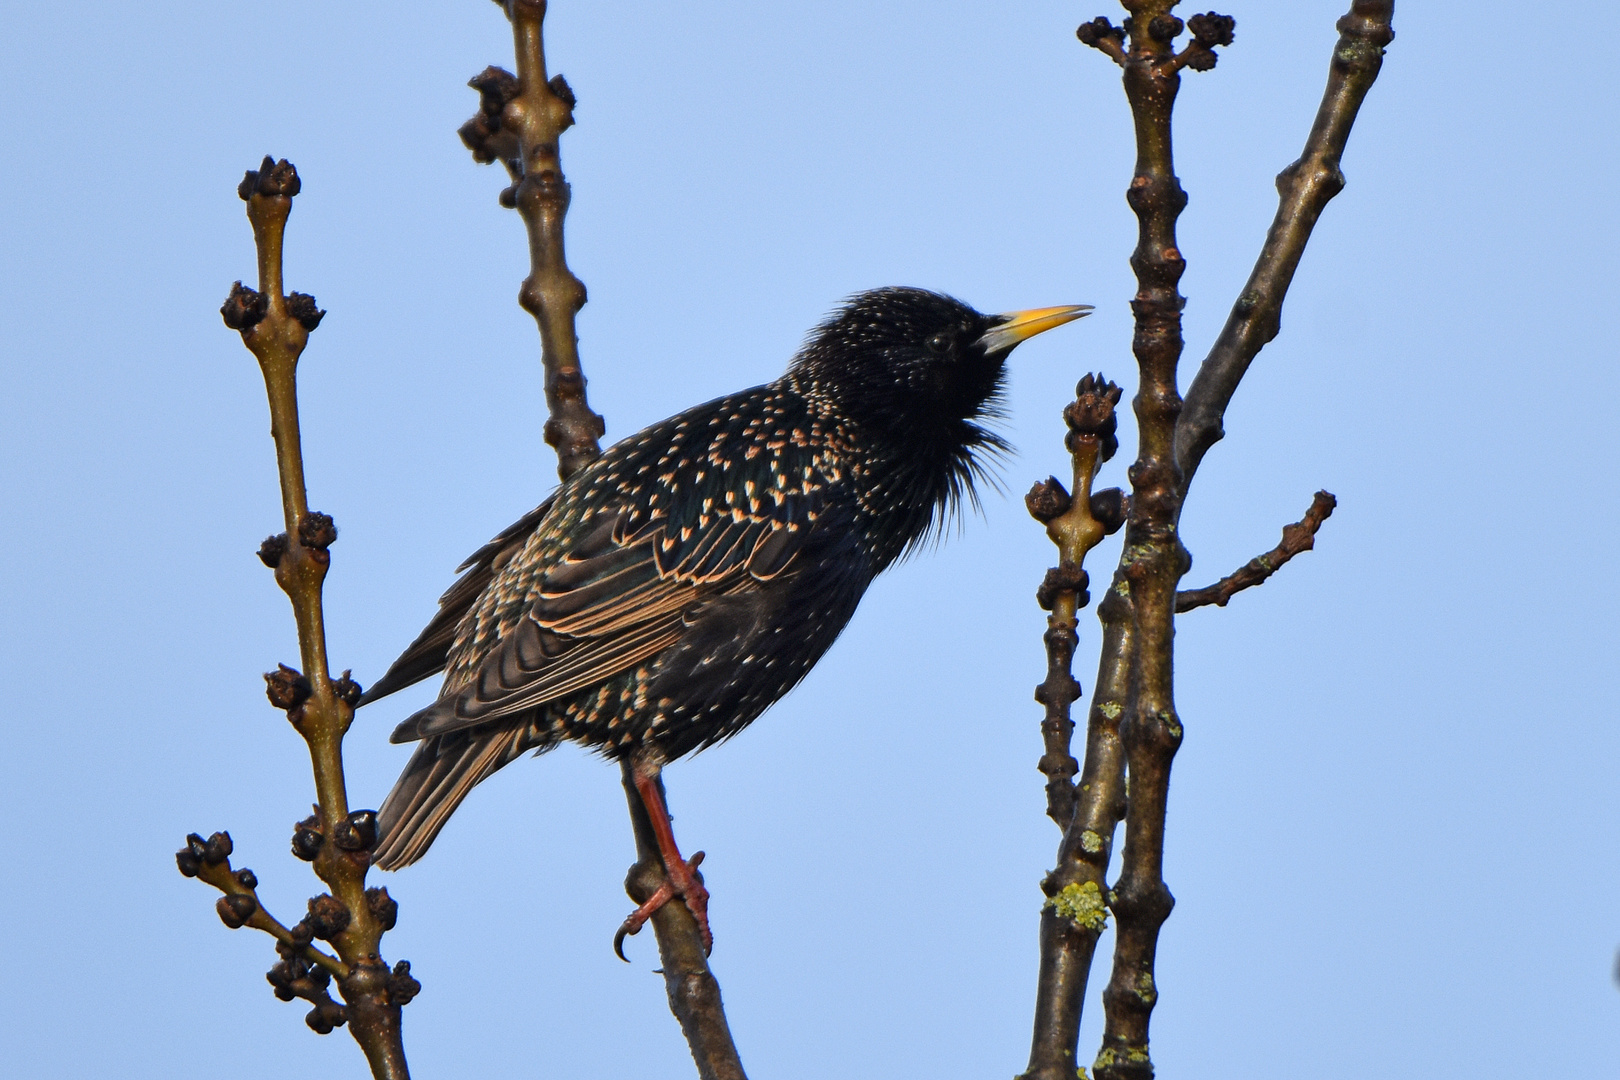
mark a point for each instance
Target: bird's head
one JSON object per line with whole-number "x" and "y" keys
{"x": 915, "y": 364}
{"x": 915, "y": 371}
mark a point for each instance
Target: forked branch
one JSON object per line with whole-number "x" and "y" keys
{"x": 1135, "y": 682}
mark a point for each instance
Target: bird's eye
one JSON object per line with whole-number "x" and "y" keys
{"x": 940, "y": 342}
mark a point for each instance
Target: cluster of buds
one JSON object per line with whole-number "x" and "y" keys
{"x": 355, "y": 835}
{"x": 1091, "y": 418}
{"x": 317, "y": 531}
{"x": 1093, "y": 414}
{"x": 293, "y": 977}
{"x": 199, "y": 853}
{"x": 1209, "y": 30}
{"x": 1092, "y": 421}
{"x": 272, "y": 178}
{"x": 307, "y": 837}
{"x": 327, "y": 917}
{"x": 210, "y": 860}
{"x": 246, "y": 308}
{"x": 483, "y": 134}
{"x": 287, "y": 688}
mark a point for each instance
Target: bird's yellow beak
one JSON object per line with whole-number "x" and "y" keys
{"x": 1014, "y": 326}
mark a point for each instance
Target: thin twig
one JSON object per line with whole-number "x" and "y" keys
{"x": 1298, "y": 537}
{"x": 1070, "y": 928}
{"x": 1304, "y": 189}
{"x": 539, "y": 113}
{"x": 520, "y": 121}
{"x": 1074, "y": 913}
{"x": 209, "y": 861}
{"x": 1073, "y": 528}
{"x": 275, "y": 327}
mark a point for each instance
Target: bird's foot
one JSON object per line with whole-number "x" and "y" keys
{"x": 680, "y": 879}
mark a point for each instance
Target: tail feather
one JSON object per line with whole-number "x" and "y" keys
{"x": 444, "y": 769}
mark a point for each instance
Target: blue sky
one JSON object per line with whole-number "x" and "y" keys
{"x": 1392, "y": 822}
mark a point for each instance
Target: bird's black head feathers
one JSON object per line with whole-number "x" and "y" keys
{"x": 907, "y": 367}
{"x": 906, "y": 361}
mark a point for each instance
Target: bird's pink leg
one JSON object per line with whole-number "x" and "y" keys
{"x": 680, "y": 875}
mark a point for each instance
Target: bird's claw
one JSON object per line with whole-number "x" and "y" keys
{"x": 684, "y": 883}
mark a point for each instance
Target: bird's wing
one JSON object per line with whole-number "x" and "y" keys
{"x": 628, "y": 589}
{"x": 428, "y": 653}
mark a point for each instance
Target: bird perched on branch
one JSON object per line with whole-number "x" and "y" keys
{"x": 672, "y": 590}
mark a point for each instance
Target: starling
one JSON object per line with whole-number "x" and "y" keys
{"x": 672, "y": 590}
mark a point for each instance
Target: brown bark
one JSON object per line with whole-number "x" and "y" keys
{"x": 275, "y": 326}
{"x": 1136, "y": 674}
{"x": 519, "y": 123}
{"x": 1298, "y": 537}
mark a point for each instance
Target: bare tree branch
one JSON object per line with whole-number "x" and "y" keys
{"x": 1298, "y": 537}
{"x": 1135, "y": 679}
{"x": 338, "y": 842}
{"x": 1304, "y": 189}
{"x": 1075, "y": 530}
{"x": 519, "y": 123}
{"x": 1074, "y": 913}
{"x": 1078, "y": 887}
{"x": 1153, "y": 559}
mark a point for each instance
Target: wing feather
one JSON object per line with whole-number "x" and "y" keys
{"x": 620, "y": 591}
{"x": 440, "y": 774}
{"x": 430, "y": 651}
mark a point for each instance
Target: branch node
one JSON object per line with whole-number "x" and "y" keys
{"x": 1067, "y": 578}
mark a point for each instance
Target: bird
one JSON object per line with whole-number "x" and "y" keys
{"x": 668, "y": 593}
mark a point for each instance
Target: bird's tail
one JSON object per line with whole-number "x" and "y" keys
{"x": 439, "y": 775}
